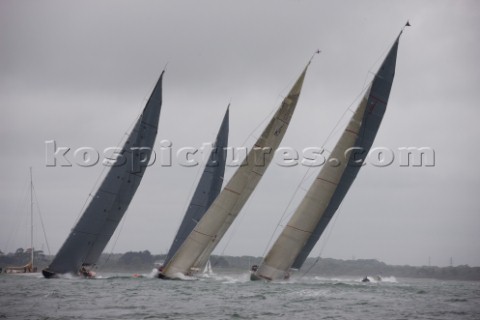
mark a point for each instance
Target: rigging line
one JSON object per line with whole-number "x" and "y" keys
{"x": 382, "y": 55}
{"x": 322, "y": 248}
{"x": 189, "y": 196}
{"x": 121, "y": 142}
{"x": 41, "y": 219}
{"x": 235, "y": 227}
{"x": 342, "y": 117}
{"x": 286, "y": 87}
{"x": 122, "y": 223}
{"x": 286, "y": 209}
{"x": 362, "y": 91}
{"x": 370, "y": 71}
{"x": 251, "y": 134}
{"x": 104, "y": 167}
{"x": 276, "y": 106}
{"x": 96, "y": 186}
{"x": 336, "y": 128}
{"x": 195, "y": 182}
{"x": 186, "y": 205}
{"x": 306, "y": 176}
{"x": 124, "y": 218}
{"x": 365, "y": 86}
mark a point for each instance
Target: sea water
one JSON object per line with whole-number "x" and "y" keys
{"x": 234, "y": 296}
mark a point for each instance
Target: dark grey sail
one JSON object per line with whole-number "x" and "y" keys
{"x": 372, "y": 117}
{"x": 208, "y": 188}
{"x": 98, "y": 222}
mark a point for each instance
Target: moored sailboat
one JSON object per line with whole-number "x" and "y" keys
{"x": 30, "y": 266}
{"x": 195, "y": 251}
{"x": 89, "y": 237}
{"x": 325, "y": 195}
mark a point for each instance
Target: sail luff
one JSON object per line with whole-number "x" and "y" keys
{"x": 95, "y": 227}
{"x": 200, "y": 243}
{"x": 207, "y": 190}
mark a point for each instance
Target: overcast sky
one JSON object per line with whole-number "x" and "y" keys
{"x": 79, "y": 73}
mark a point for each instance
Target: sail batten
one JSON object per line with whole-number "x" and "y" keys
{"x": 324, "y": 196}
{"x": 93, "y": 230}
{"x": 200, "y": 243}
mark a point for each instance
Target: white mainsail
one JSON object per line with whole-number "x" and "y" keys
{"x": 195, "y": 251}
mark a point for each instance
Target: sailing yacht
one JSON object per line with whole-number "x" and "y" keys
{"x": 89, "y": 237}
{"x": 195, "y": 251}
{"x": 325, "y": 195}
{"x": 30, "y": 266}
{"x": 207, "y": 190}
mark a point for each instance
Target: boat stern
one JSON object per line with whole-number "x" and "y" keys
{"x": 49, "y": 274}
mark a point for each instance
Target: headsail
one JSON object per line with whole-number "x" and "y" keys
{"x": 207, "y": 190}
{"x": 332, "y": 183}
{"x": 98, "y": 222}
{"x": 195, "y": 251}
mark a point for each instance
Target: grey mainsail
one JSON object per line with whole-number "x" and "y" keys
{"x": 194, "y": 253}
{"x": 207, "y": 190}
{"x": 98, "y": 222}
{"x": 323, "y": 198}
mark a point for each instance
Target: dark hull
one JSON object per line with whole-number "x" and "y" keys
{"x": 162, "y": 276}
{"x": 49, "y": 274}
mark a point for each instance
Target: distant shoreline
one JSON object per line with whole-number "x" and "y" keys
{"x": 143, "y": 261}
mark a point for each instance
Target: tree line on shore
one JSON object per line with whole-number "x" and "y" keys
{"x": 144, "y": 261}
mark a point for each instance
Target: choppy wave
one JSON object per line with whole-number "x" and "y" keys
{"x": 233, "y": 296}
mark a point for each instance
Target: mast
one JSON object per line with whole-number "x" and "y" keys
{"x": 196, "y": 249}
{"x": 323, "y": 198}
{"x": 31, "y": 218}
